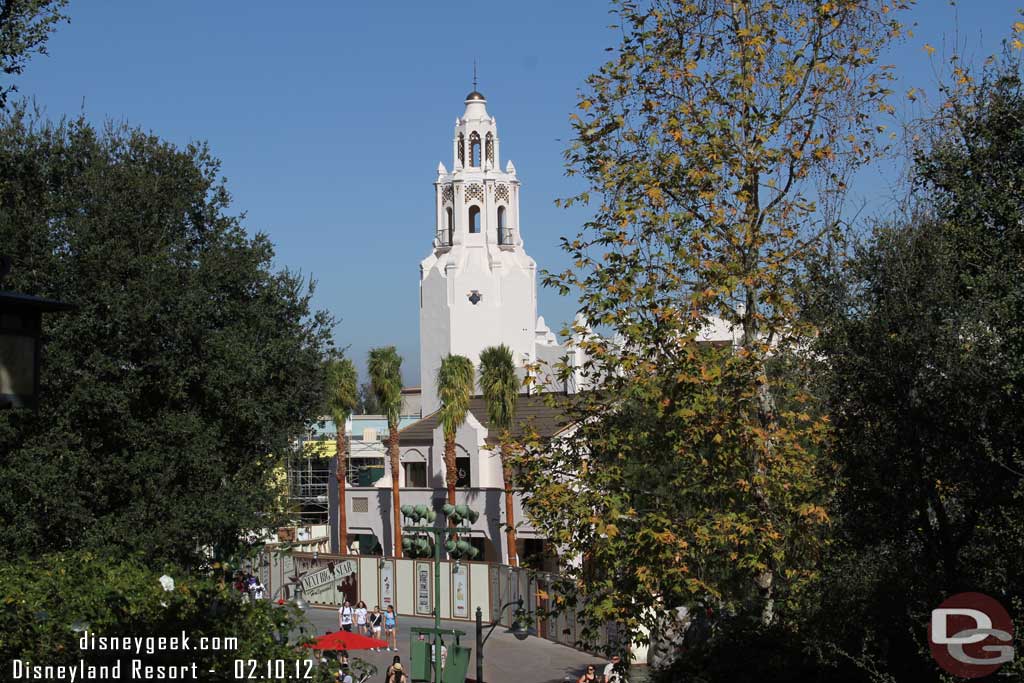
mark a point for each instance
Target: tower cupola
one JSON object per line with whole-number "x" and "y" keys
{"x": 477, "y": 285}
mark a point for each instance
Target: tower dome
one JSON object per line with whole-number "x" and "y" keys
{"x": 475, "y": 96}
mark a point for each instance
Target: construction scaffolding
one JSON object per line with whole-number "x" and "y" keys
{"x": 308, "y": 478}
{"x": 308, "y": 468}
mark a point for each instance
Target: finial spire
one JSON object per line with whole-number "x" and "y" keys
{"x": 474, "y": 73}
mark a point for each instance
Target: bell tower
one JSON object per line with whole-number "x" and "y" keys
{"x": 478, "y": 287}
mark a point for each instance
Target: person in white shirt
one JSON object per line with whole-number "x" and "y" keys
{"x": 345, "y": 615}
{"x": 361, "y": 626}
{"x": 613, "y": 671}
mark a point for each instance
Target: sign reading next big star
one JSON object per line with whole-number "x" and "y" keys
{"x": 318, "y": 585}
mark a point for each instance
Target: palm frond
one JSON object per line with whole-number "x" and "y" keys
{"x": 342, "y": 390}
{"x": 385, "y": 368}
{"x": 455, "y": 382}
{"x": 499, "y": 384}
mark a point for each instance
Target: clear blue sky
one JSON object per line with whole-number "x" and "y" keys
{"x": 330, "y": 118}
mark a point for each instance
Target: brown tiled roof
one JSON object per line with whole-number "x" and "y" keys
{"x": 532, "y": 412}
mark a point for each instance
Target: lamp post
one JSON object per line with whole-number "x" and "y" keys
{"x": 438, "y": 533}
{"x": 20, "y": 343}
{"x": 456, "y": 515}
{"x": 519, "y": 630}
{"x": 297, "y": 600}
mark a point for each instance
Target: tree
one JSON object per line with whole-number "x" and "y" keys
{"x": 500, "y": 386}
{"x": 25, "y": 26}
{"x": 342, "y": 381}
{"x": 385, "y": 366}
{"x": 119, "y": 596}
{"x": 924, "y": 377}
{"x": 189, "y": 364}
{"x": 455, "y": 383}
{"x": 716, "y": 145}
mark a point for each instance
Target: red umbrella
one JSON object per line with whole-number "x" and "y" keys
{"x": 345, "y": 640}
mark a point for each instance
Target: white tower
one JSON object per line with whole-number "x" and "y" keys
{"x": 478, "y": 287}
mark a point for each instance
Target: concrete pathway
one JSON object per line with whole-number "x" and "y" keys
{"x": 506, "y": 660}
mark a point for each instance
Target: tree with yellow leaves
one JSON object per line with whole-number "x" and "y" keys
{"x": 716, "y": 145}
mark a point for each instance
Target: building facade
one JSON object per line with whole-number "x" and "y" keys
{"x": 478, "y": 288}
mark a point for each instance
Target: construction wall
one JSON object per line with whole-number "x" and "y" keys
{"x": 408, "y": 586}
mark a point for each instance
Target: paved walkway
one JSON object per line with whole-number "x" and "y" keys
{"x": 506, "y": 660}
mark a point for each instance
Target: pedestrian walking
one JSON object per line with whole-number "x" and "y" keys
{"x": 589, "y": 676}
{"x": 345, "y": 615}
{"x": 361, "y": 627}
{"x": 613, "y": 671}
{"x": 433, "y": 655}
{"x": 395, "y": 672}
{"x": 391, "y": 629}
{"x": 376, "y": 619}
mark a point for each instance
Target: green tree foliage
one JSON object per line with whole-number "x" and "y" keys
{"x": 25, "y": 26}
{"x": 342, "y": 397}
{"x": 188, "y": 363}
{"x": 44, "y": 599}
{"x": 385, "y": 369}
{"x": 716, "y": 144}
{"x": 455, "y": 384}
{"x": 926, "y": 385}
{"x": 500, "y": 386}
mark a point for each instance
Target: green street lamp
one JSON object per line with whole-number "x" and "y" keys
{"x": 417, "y": 540}
{"x": 520, "y": 629}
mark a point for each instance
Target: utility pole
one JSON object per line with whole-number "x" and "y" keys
{"x": 455, "y": 515}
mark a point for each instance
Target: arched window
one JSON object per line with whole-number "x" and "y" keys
{"x": 448, "y": 223}
{"x": 503, "y": 233}
{"x": 462, "y": 149}
{"x": 474, "y": 149}
{"x": 489, "y": 148}
{"x": 474, "y": 219}
{"x": 463, "y": 472}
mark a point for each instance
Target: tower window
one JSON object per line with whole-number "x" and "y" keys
{"x": 474, "y": 149}
{"x": 448, "y": 223}
{"x": 489, "y": 148}
{"x": 462, "y": 150}
{"x": 474, "y": 219}
{"x": 504, "y": 236}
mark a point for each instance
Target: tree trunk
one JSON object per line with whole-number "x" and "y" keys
{"x": 342, "y": 474}
{"x": 451, "y": 471}
{"x": 510, "y": 532}
{"x": 766, "y": 418}
{"x": 395, "y": 502}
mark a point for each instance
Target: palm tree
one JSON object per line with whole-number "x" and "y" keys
{"x": 500, "y": 386}
{"x": 454, "y": 387}
{"x": 342, "y": 396}
{"x": 385, "y": 366}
